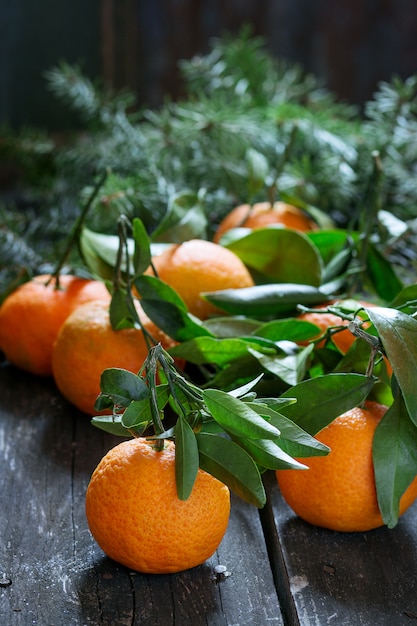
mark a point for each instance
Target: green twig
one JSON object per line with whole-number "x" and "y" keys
{"x": 76, "y": 230}
{"x": 151, "y": 374}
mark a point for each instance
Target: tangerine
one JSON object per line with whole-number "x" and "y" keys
{"x": 135, "y": 515}
{"x": 263, "y": 214}
{"x": 31, "y": 316}
{"x": 197, "y": 266}
{"x": 342, "y": 339}
{"x": 87, "y": 344}
{"x": 338, "y": 491}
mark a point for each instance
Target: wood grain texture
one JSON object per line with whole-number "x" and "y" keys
{"x": 59, "y": 575}
{"x": 348, "y": 579}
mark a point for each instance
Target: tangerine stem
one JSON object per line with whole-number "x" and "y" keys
{"x": 122, "y": 249}
{"x": 119, "y": 283}
{"x": 76, "y": 230}
{"x": 151, "y": 371}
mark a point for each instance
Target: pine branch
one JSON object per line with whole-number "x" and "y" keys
{"x": 239, "y": 99}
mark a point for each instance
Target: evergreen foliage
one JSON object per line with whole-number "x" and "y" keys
{"x": 251, "y": 127}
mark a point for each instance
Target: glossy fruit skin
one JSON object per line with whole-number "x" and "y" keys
{"x": 197, "y": 266}
{"x": 137, "y": 519}
{"x": 87, "y": 344}
{"x": 31, "y": 316}
{"x": 263, "y": 214}
{"x": 338, "y": 491}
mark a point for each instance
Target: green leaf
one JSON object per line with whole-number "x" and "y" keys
{"x": 398, "y": 333}
{"x": 406, "y": 299}
{"x": 329, "y": 243}
{"x": 320, "y": 400}
{"x": 228, "y": 462}
{"x": 186, "y": 458}
{"x": 176, "y": 323}
{"x": 236, "y": 417}
{"x": 167, "y": 310}
{"x": 103, "y": 403}
{"x": 139, "y": 415}
{"x": 280, "y": 255}
{"x": 290, "y": 329}
{"x": 99, "y": 253}
{"x": 238, "y": 372}
{"x": 291, "y": 368}
{"x": 394, "y": 454}
{"x": 153, "y": 288}
{"x": 274, "y": 403}
{"x": 338, "y": 264}
{"x": 110, "y": 424}
{"x": 122, "y": 386}
{"x": 142, "y": 250}
{"x": 381, "y": 273}
{"x": 122, "y": 309}
{"x": 238, "y": 392}
{"x": 216, "y": 351}
{"x": 224, "y": 327}
{"x": 293, "y": 440}
{"x": 269, "y": 455}
{"x": 276, "y": 299}
{"x": 185, "y": 219}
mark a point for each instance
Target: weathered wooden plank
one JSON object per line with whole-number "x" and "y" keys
{"x": 360, "y": 579}
{"x": 59, "y": 575}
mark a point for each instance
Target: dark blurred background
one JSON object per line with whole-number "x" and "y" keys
{"x": 350, "y": 45}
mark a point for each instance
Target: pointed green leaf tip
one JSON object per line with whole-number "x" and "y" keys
{"x": 236, "y": 417}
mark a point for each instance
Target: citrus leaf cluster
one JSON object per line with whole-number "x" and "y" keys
{"x": 251, "y": 129}
{"x": 259, "y": 342}
{"x": 234, "y": 435}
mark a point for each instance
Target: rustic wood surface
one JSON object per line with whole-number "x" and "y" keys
{"x": 279, "y": 570}
{"x": 344, "y": 579}
{"x": 58, "y": 574}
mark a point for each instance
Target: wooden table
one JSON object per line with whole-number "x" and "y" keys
{"x": 278, "y": 570}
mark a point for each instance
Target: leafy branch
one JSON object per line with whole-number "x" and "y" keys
{"x": 233, "y": 435}
{"x": 239, "y": 101}
{"x": 249, "y": 127}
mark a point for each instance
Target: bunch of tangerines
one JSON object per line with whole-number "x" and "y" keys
{"x": 109, "y": 355}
